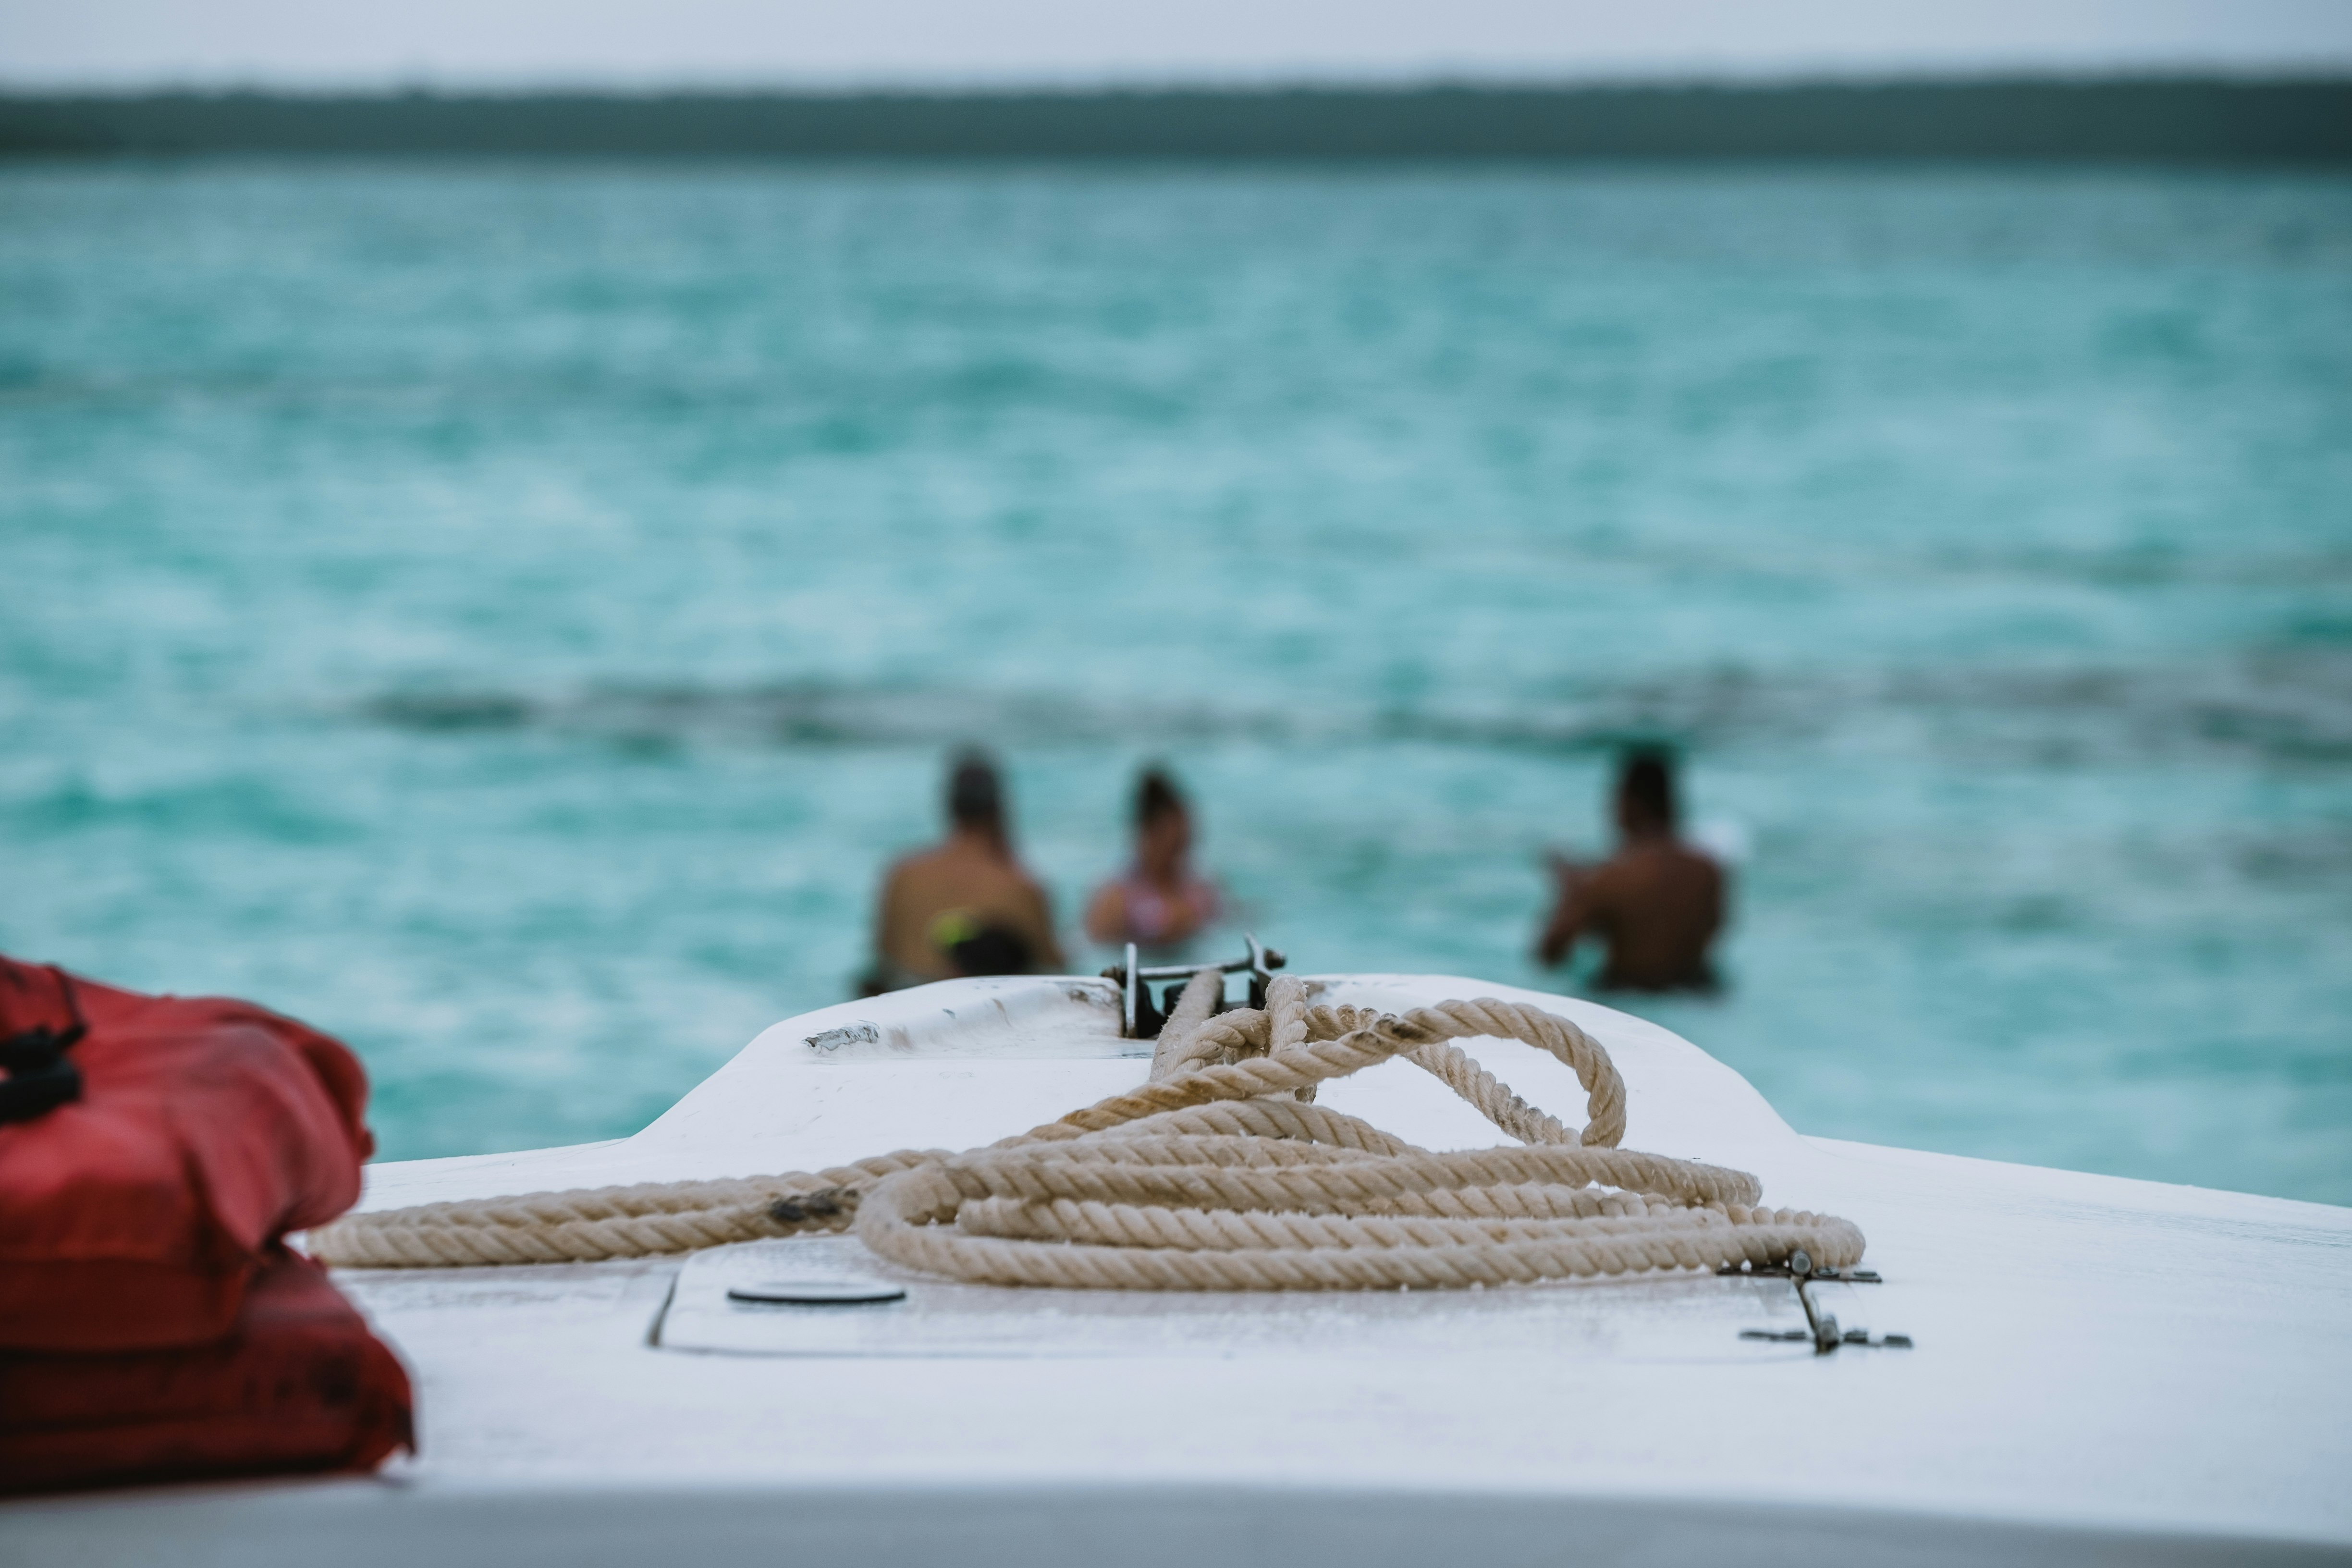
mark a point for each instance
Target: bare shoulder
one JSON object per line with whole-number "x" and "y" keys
{"x": 916, "y": 869}
{"x": 1697, "y": 875}
{"x": 1610, "y": 878}
{"x": 1699, "y": 862}
{"x": 928, "y": 858}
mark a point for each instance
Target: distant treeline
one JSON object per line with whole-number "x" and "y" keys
{"x": 2176, "y": 119}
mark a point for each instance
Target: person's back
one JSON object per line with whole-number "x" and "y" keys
{"x": 965, "y": 906}
{"x": 1657, "y": 903}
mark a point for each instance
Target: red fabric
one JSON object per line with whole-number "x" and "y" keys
{"x": 300, "y": 1385}
{"x": 132, "y": 1218}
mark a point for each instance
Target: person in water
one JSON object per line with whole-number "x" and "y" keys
{"x": 1657, "y": 903}
{"x": 965, "y": 906}
{"x": 1159, "y": 900}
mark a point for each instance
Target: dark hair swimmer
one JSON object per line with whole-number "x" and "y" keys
{"x": 1657, "y": 903}
{"x": 965, "y": 906}
{"x": 1158, "y": 901}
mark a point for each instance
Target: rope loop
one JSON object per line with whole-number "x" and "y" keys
{"x": 1219, "y": 1173}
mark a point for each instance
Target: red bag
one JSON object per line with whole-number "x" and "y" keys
{"x": 300, "y": 1385}
{"x": 132, "y": 1215}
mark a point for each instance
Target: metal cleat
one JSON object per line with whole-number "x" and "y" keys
{"x": 1141, "y": 1018}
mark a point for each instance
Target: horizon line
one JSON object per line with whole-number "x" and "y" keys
{"x": 1456, "y": 79}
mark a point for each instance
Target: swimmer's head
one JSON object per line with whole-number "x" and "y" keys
{"x": 1645, "y": 790}
{"x": 976, "y": 794}
{"x": 1163, "y": 825}
{"x": 1156, "y": 796}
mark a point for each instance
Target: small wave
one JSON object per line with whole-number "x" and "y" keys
{"x": 814, "y": 715}
{"x": 2294, "y": 708}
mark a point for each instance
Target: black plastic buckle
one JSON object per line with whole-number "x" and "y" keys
{"x": 40, "y": 1078}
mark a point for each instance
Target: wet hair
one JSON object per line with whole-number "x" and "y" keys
{"x": 1156, "y": 795}
{"x": 975, "y": 793}
{"x": 1645, "y": 781}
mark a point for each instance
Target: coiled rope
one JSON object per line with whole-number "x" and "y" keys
{"x": 1217, "y": 1175}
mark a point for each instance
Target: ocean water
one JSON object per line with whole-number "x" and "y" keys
{"x": 507, "y": 615}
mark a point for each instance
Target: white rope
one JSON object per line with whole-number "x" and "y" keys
{"x": 1216, "y": 1175}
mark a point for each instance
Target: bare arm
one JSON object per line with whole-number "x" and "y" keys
{"x": 886, "y": 911}
{"x": 1559, "y": 933}
{"x": 1049, "y": 949}
{"x": 1107, "y": 913}
{"x": 1572, "y": 912}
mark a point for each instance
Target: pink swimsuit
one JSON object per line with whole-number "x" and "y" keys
{"x": 1150, "y": 912}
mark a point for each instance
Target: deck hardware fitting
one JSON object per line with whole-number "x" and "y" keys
{"x": 1141, "y": 1018}
{"x": 1821, "y": 1327}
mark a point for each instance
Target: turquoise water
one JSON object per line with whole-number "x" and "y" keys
{"x": 507, "y": 615}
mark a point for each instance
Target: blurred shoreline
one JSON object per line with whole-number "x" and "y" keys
{"x": 2158, "y": 119}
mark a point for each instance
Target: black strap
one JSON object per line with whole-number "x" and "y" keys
{"x": 40, "y": 1077}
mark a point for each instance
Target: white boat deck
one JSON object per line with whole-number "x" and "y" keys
{"x": 2104, "y": 1369}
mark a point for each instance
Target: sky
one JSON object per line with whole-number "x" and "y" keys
{"x": 642, "y": 43}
